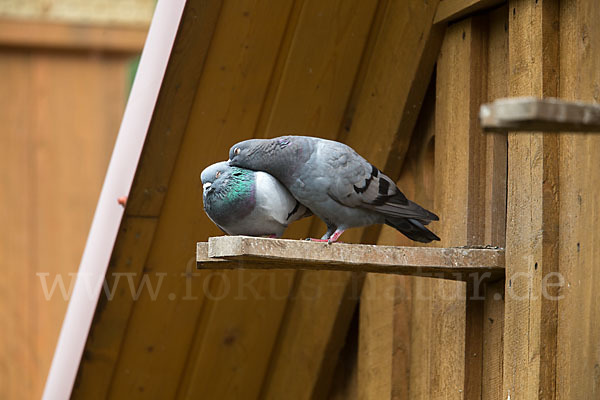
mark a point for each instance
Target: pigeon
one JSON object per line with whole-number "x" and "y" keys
{"x": 336, "y": 184}
{"x": 244, "y": 202}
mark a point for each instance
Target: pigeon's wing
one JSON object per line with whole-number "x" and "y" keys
{"x": 357, "y": 183}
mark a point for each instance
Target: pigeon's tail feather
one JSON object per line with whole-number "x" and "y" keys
{"x": 393, "y": 207}
{"x": 411, "y": 228}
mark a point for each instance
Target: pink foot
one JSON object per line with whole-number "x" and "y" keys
{"x": 336, "y": 235}
{"x": 332, "y": 239}
{"x": 122, "y": 201}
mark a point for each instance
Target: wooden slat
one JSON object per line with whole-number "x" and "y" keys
{"x": 69, "y": 36}
{"x": 19, "y": 285}
{"x": 459, "y": 198}
{"x": 532, "y": 210}
{"x": 578, "y": 335}
{"x": 495, "y": 206}
{"x": 450, "y": 10}
{"x": 532, "y": 114}
{"x": 412, "y": 308}
{"x": 264, "y": 253}
{"x": 375, "y": 345}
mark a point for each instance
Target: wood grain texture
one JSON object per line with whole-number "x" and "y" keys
{"x": 64, "y": 36}
{"x": 532, "y": 209}
{"x": 495, "y": 206}
{"x": 376, "y": 337}
{"x": 460, "y": 201}
{"x": 578, "y": 334}
{"x": 448, "y": 263}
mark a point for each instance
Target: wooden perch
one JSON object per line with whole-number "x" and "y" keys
{"x": 532, "y": 114}
{"x": 228, "y": 252}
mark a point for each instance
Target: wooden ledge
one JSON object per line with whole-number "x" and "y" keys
{"x": 532, "y": 114}
{"x": 229, "y": 252}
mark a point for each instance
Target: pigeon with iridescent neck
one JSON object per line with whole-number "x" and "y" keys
{"x": 336, "y": 184}
{"x": 245, "y": 202}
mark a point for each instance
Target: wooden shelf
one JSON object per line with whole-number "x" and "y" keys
{"x": 230, "y": 252}
{"x": 532, "y": 114}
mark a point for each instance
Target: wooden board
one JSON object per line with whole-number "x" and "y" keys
{"x": 456, "y": 359}
{"x": 532, "y": 210}
{"x": 533, "y": 114}
{"x": 495, "y": 206}
{"x": 65, "y": 36}
{"x": 447, "y": 263}
{"x": 578, "y": 330}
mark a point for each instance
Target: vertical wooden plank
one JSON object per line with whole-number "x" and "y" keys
{"x": 375, "y": 338}
{"x": 495, "y": 206}
{"x": 578, "y": 333}
{"x": 18, "y": 309}
{"x": 459, "y": 198}
{"x": 532, "y": 209}
{"x": 412, "y": 330}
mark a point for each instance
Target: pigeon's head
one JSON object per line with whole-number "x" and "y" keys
{"x": 256, "y": 154}
{"x": 211, "y": 174}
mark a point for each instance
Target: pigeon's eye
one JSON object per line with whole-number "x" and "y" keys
{"x": 218, "y": 174}
{"x": 237, "y": 151}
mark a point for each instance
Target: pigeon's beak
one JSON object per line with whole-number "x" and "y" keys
{"x": 229, "y": 161}
{"x": 206, "y": 186}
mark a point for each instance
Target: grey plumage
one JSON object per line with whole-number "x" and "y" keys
{"x": 244, "y": 202}
{"x": 336, "y": 183}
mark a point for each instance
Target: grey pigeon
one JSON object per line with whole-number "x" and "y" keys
{"x": 245, "y": 202}
{"x": 335, "y": 183}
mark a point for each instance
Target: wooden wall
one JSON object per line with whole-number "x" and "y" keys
{"x": 405, "y": 92}
{"x": 61, "y": 104}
